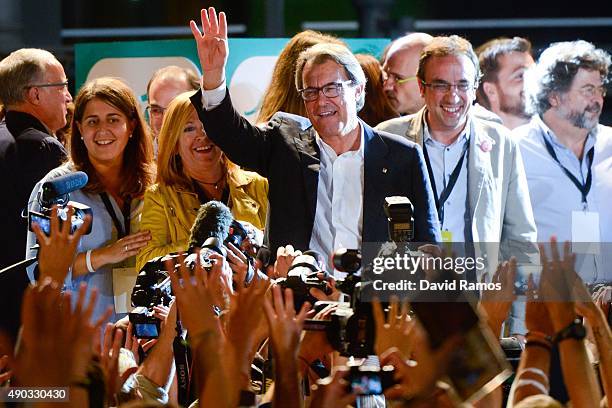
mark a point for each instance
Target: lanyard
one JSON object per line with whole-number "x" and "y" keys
{"x": 583, "y": 188}
{"x": 451, "y": 181}
{"x": 113, "y": 215}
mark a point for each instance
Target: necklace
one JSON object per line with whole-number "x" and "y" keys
{"x": 217, "y": 184}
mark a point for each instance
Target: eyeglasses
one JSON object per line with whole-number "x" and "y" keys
{"x": 155, "y": 110}
{"x": 589, "y": 91}
{"x": 49, "y": 85}
{"x": 444, "y": 87}
{"x": 331, "y": 90}
{"x": 396, "y": 78}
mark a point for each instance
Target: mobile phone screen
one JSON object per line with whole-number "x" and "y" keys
{"x": 42, "y": 220}
{"x": 146, "y": 330}
{"x": 366, "y": 383}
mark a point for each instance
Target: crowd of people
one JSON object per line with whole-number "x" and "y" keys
{"x": 501, "y": 157}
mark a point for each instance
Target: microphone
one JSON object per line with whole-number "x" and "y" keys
{"x": 54, "y": 190}
{"x": 213, "y": 220}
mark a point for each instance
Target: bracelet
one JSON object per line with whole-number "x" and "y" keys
{"x": 533, "y": 383}
{"x": 90, "y": 267}
{"x": 536, "y": 371}
{"x": 536, "y": 335}
{"x": 537, "y": 343}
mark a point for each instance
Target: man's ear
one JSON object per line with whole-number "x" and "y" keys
{"x": 421, "y": 87}
{"x": 490, "y": 89}
{"x": 32, "y": 95}
{"x": 554, "y": 99}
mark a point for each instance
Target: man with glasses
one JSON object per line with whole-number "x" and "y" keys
{"x": 399, "y": 72}
{"x": 328, "y": 174}
{"x": 568, "y": 154}
{"x": 165, "y": 84}
{"x": 34, "y": 92}
{"x": 475, "y": 168}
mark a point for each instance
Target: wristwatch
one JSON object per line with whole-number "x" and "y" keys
{"x": 575, "y": 330}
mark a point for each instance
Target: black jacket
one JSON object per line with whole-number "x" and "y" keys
{"x": 27, "y": 153}
{"x": 285, "y": 151}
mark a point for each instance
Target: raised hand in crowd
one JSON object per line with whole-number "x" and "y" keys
{"x": 496, "y": 303}
{"x": 417, "y": 380}
{"x": 393, "y": 330}
{"x": 195, "y": 306}
{"x": 557, "y": 283}
{"x": 57, "y": 251}
{"x": 333, "y": 391}
{"x": 532, "y": 375}
{"x": 284, "y": 258}
{"x": 285, "y": 329}
{"x": 109, "y": 361}
{"x": 246, "y": 328}
{"x": 212, "y": 47}
{"x": 314, "y": 344}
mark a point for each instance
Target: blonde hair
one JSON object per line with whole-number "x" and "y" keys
{"x": 282, "y": 94}
{"x": 170, "y": 169}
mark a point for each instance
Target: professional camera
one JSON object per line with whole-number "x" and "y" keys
{"x": 57, "y": 192}
{"x": 304, "y": 274}
{"x": 153, "y": 286}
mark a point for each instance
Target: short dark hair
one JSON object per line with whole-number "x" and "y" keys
{"x": 556, "y": 69}
{"x": 445, "y": 46}
{"x": 488, "y": 58}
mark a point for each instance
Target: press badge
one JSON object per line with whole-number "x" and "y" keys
{"x": 447, "y": 236}
{"x": 124, "y": 280}
{"x": 585, "y": 232}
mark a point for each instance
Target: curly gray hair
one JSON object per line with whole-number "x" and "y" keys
{"x": 556, "y": 69}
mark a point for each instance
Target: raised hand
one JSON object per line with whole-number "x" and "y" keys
{"x": 212, "y": 47}
{"x": 57, "y": 250}
{"x": 285, "y": 326}
{"x": 392, "y": 331}
{"x": 497, "y": 303}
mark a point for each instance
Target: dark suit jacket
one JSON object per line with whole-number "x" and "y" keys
{"x": 27, "y": 153}
{"x": 286, "y": 152}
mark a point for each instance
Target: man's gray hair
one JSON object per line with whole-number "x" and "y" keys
{"x": 21, "y": 69}
{"x": 320, "y": 53}
{"x": 556, "y": 69}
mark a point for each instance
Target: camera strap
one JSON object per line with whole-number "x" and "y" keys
{"x": 181, "y": 361}
{"x": 121, "y": 231}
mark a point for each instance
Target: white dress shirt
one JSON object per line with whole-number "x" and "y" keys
{"x": 339, "y": 214}
{"x": 554, "y": 197}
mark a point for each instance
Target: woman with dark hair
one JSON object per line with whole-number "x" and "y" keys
{"x": 377, "y": 107}
{"x": 110, "y": 143}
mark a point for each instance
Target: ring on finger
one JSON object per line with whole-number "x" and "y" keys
{"x": 126, "y": 248}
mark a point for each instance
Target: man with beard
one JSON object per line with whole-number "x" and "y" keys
{"x": 399, "y": 72}
{"x": 474, "y": 166}
{"x": 503, "y": 62}
{"x": 568, "y": 154}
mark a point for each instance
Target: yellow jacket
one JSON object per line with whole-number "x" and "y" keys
{"x": 169, "y": 212}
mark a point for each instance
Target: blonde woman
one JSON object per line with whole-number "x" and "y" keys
{"x": 191, "y": 171}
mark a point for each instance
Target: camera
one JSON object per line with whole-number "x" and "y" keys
{"x": 44, "y": 219}
{"x": 153, "y": 286}
{"x": 303, "y": 275}
{"x": 57, "y": 192}
{"x": 145, "y": 324}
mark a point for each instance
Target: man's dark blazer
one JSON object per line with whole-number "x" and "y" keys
{"x": 286, "y": 152}
{"x": 27, "y": 153}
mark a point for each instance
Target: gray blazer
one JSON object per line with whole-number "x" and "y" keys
{"x": 498, "y": 197}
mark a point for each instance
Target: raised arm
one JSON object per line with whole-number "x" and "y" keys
{"x": 212, "y": 47}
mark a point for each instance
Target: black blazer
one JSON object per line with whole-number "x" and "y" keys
{"x": 286, "y": 152}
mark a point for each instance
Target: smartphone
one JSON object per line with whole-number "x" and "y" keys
{"x": 146, "y": 330}
{"x": 43, "y": 221}
{"x": 365, "y": 382}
